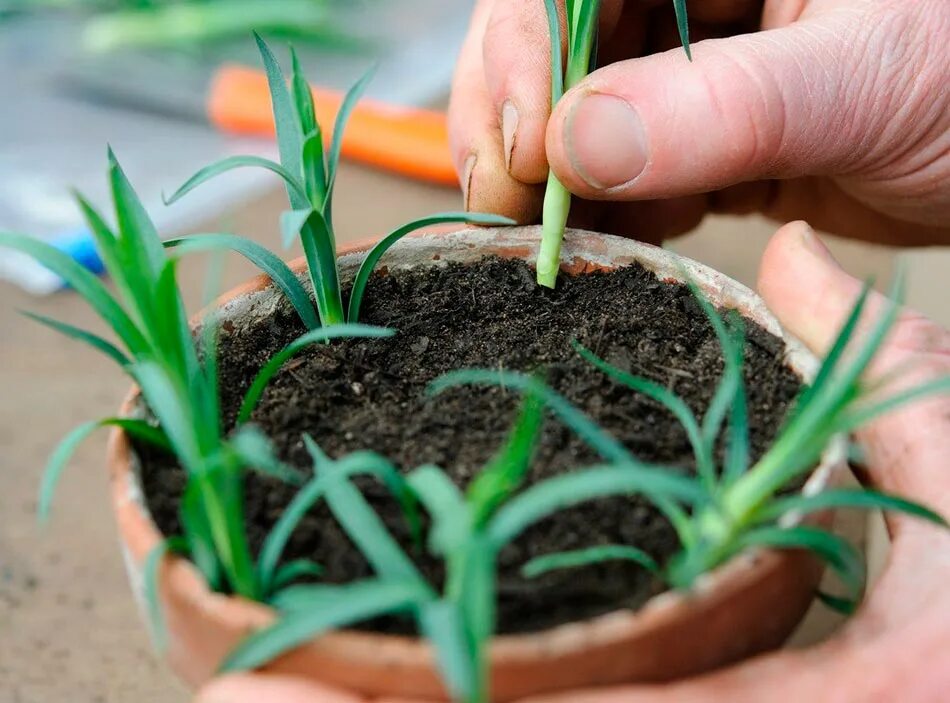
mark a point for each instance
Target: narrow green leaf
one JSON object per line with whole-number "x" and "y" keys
{"x": 602, "y": 442}
{"x": 844, "y": 606}
{"x": 357, "y": 464}
{"x": 451, "y": 516}
{"x": 256, "y": 451}
{"x": 358, "y": 602}
{"x": 170, "y": 405}
{"x": 291, "y": 222}
{"x": 365, "y": 528}
{"x": 682, "y": 24}
{"x": 137, "y": 234}
{"x": 863, "y": 498}
{"x": 266, "y": 261}
{"x": 89, "y": 338}
{"x": 350, "y": 100}
{"x": 376, "y": 253}
{"x": 861, "y": 415}
{"x": 505, "y": 474}
{"x": 443, "y": 625}
{"x": 303, "y": 98}
{"x": 553, "y": 495}
{"x": 557, "y": 66}
{"x": 837, "y": 552}
{"x": 295, "y": 570}
{"x": 214, "y": 170}
{"x": 672, "y": 402}
{"x": 830, "y": 363}
{"x": 270, "y": 369}
{"x": 586, "y": 557}
{"x": 197, "y": 531}
{"x": 170, "y": 331}
{"x": 84, "y": 283}
{"x": 310, "y": 596}
{"x": 289, "y": 136}
{"x": 67, "y": 447}
{"x": 320, "y": 251}
{"x": 314, "y": 169}
{"x": 153, "y": 603}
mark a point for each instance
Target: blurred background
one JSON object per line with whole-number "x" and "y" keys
{"x": 161, "y": 81}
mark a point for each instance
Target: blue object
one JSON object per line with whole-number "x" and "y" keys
{"x": 81, "y": 246}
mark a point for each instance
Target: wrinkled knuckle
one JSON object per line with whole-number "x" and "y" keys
{"x": 747, "y": 100}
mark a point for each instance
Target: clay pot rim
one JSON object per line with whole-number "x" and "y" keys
{"x": 140, "y": 534}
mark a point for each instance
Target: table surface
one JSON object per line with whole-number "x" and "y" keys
{"x": 69, "y": 630}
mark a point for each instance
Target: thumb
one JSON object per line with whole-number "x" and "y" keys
{"x": 906, "y": 450}
{"x": 776, "y": 104}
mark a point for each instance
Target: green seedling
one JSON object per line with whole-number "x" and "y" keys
{"x": 582, "y": 18}
{"x": 468, "y": 529}
{"x": 309, "y": 171}
{"x": 178, "y": 378}
{"x": 746, "y": 505}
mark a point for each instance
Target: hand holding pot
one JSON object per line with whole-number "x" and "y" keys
{"x": 836, "y": 112}
{"x": 898, "y": 645}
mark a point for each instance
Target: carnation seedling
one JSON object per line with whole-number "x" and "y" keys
{"x": 581, "y": 44}
{"x": 178, "y": 378}
{"x": 309, "y": 172}
{"x": 745, "y": 505}
{"x": 467, "y": 530}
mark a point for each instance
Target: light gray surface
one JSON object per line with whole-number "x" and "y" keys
{"x": 51, "y": 140}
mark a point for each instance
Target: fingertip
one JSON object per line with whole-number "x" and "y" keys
{"x": 804, "y": 285}
{"x": 488, "y": 187}
{"x": 253, "y": 688}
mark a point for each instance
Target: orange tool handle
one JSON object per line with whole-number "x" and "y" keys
{"x": 408, "y": 141}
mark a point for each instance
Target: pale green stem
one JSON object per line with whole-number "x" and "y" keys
{"x": 557, "y": 205}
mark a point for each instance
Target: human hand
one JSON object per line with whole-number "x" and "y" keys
{"x": 837, "y": 112}
{"x": 897, "y": 647}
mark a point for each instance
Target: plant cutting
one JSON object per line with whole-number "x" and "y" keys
{"x": 178, "y": 378}
{"x": 580, "y": 42}
{"x": 309, "y": 173}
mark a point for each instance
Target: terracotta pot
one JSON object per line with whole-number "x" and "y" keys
{"x": 748, "y": 606}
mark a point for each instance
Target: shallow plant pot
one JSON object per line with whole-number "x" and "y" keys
{"x": 746, "y": 607}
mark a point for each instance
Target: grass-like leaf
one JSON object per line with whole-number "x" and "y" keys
{"x": 295, "y": 570}
{"x": 848, "y": 498}
{"x": 270, "y": 369}
{"x": 602, "y": 442}
{"x": 376, "y": 253}
{"x": 682, "y": 25}
{"x": 586, "y": 557}
{"x": 234, "y": 162}
{"x": 863, "y": 414}
{"x": 256, "y": 451}
{"x": 269, "y": 263}
{"x": 93, "y": 340}
{"x": 317, "y": 240}
{"x": 667, "y": 398}
{"x": 314, "y": 169}
{"x": 303, "y": 98}
{"x": 442, "y": 499}
{"x": 841, "y": 556}
{"x": 153, "y": 603}
{"x": 362, "y": 524}
{"x": 361, "y": 463}
{"x": 557, "y": 66}
{"x": 289, "y": 135}
{"x": 505, "y": 474}
{"x": 83, "y": 282}
{"x": 359, "y": 601}
{"x": 350, "y": 100}
{"x": 443, "y": 625}
{"x": 626, "y": 478}
{"x": 60, "y": 457}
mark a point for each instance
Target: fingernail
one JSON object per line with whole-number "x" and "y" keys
{"x": 814, "y": 246}
{"x": 606, "y": 142}
{"x": 509, "y": 127}
{"x": 467, "y": 171}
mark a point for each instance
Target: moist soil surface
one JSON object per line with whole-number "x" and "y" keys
{"x": 371, "y": 394}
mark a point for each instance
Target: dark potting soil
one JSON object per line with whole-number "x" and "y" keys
{"x": 353, "y": 395}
